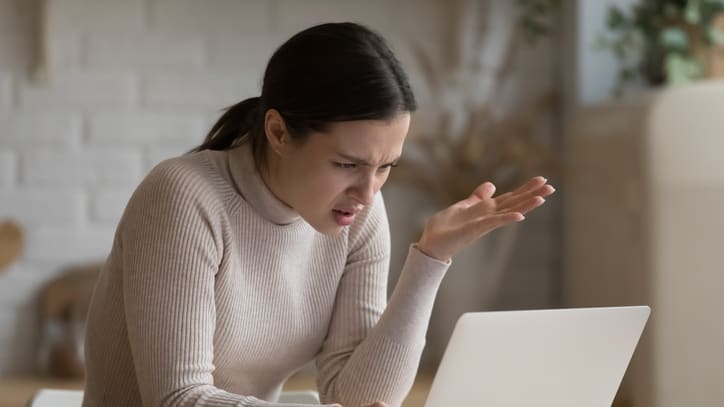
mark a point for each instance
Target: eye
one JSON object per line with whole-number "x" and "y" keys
{"x": 345, "y": 165}
{"x": 387, "y": 167}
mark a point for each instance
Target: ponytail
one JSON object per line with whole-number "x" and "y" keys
{"x": 239, "y": 124}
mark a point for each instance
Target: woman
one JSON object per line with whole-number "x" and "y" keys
{"x": 268, "y": 245}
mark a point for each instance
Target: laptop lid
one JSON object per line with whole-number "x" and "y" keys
{"x": 546, "y": 358}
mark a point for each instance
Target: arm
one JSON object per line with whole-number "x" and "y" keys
{"x": 172, "y": 241}
{"x": 363, "y": 361}
{"x": 372, "y": 351}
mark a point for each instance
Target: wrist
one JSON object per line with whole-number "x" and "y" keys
{"x": 429, "y": 253}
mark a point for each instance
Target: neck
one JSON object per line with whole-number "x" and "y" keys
{"x": 269, "y": 171}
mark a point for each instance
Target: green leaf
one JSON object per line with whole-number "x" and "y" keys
{"x": 616, "y": 19}
{"x": 627, "y": 74}
{"x": 682, "y": 69}
{"x": 710, "y": 8}
{"x": 716, "y": 36}
{"x": 619, "y": 50}
{"x": 674, "y": 39}
{"x": 600, "y": 43}
{"x": 692, "y": 13}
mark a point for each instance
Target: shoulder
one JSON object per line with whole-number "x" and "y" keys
{"x": 186, "y": 169}
{"x": 179, "y": 181}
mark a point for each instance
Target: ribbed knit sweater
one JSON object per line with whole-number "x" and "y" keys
{"x": 215, "y": 292}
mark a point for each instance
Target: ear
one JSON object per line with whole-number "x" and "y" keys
{"x": 276, "y": 131}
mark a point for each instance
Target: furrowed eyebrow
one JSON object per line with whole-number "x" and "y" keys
{"x": 360, "y": 161}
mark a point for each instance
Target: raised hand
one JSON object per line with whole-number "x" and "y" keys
{"x": 454, "y": 228}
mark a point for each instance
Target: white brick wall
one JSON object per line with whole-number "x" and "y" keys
{"x": 107, "y": 204}
{"x": 43, "y": 206}
{"x": 215, "y": 16}
{"x": 125, "y": 85}
{"x": 252, "y": 52}
{"x": 141, "y": 51}
{"x": 69, "y": 23}
{"x": 293, "y": 16}
{"x": 26, "y": 130}
{"x": 16, "y": 35}
{"x": 95, "y": 16}
{"x": 26, "y": 278}
{"x": 79, "y": 90}
{"x": 92, "y": 167}
{"x": 6, "y": 88}
{"x": 63, "y": 52}
{"x": 69, "y": 245}
{"x": 201, "y": 91}
{"x": 145, "y": 129}
{"x": 8, "y": 165}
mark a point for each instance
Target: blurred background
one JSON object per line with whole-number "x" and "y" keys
{"x": 617, "y": 102}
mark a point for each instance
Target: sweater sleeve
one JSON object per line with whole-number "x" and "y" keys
{"x": 172, "y": 239}
{"x": 372, "y": 350}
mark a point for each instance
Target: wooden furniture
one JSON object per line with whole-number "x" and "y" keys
{"x": 11, "y": 243}
{"x": 644, "y": 195}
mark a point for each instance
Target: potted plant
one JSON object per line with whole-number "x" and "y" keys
{"x": 666, "y": 41}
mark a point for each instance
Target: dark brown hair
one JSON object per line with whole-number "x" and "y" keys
{"x": 327, "y": 73}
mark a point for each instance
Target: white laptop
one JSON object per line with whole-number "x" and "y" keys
{"x": 544, "y": 358}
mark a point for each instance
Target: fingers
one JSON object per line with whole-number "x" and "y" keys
{"x": 513, "y": 202}
{"x": 532, "y": 184}
{"x": 487, "y": 224}
{"x": 483, "y": 191}
{"x": 544, "y": 190}
{"x": 527, "y": 205}
{"x": 537, "y": 187}
{"x": 524, "y": 200}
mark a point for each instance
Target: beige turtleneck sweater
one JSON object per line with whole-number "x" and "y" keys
{"x": 215, "y": 292}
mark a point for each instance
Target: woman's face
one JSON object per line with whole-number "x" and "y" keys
{"x": 333, "y": 175}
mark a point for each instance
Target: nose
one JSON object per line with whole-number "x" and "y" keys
{"x": 365, "y": 189}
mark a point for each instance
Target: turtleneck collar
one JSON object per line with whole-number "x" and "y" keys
{"x": 252, "y": 187}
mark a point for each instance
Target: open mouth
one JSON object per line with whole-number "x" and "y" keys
{"x": 343, "y": 218}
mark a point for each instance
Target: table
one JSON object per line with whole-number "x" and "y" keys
{"x": 16, "y": 391}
